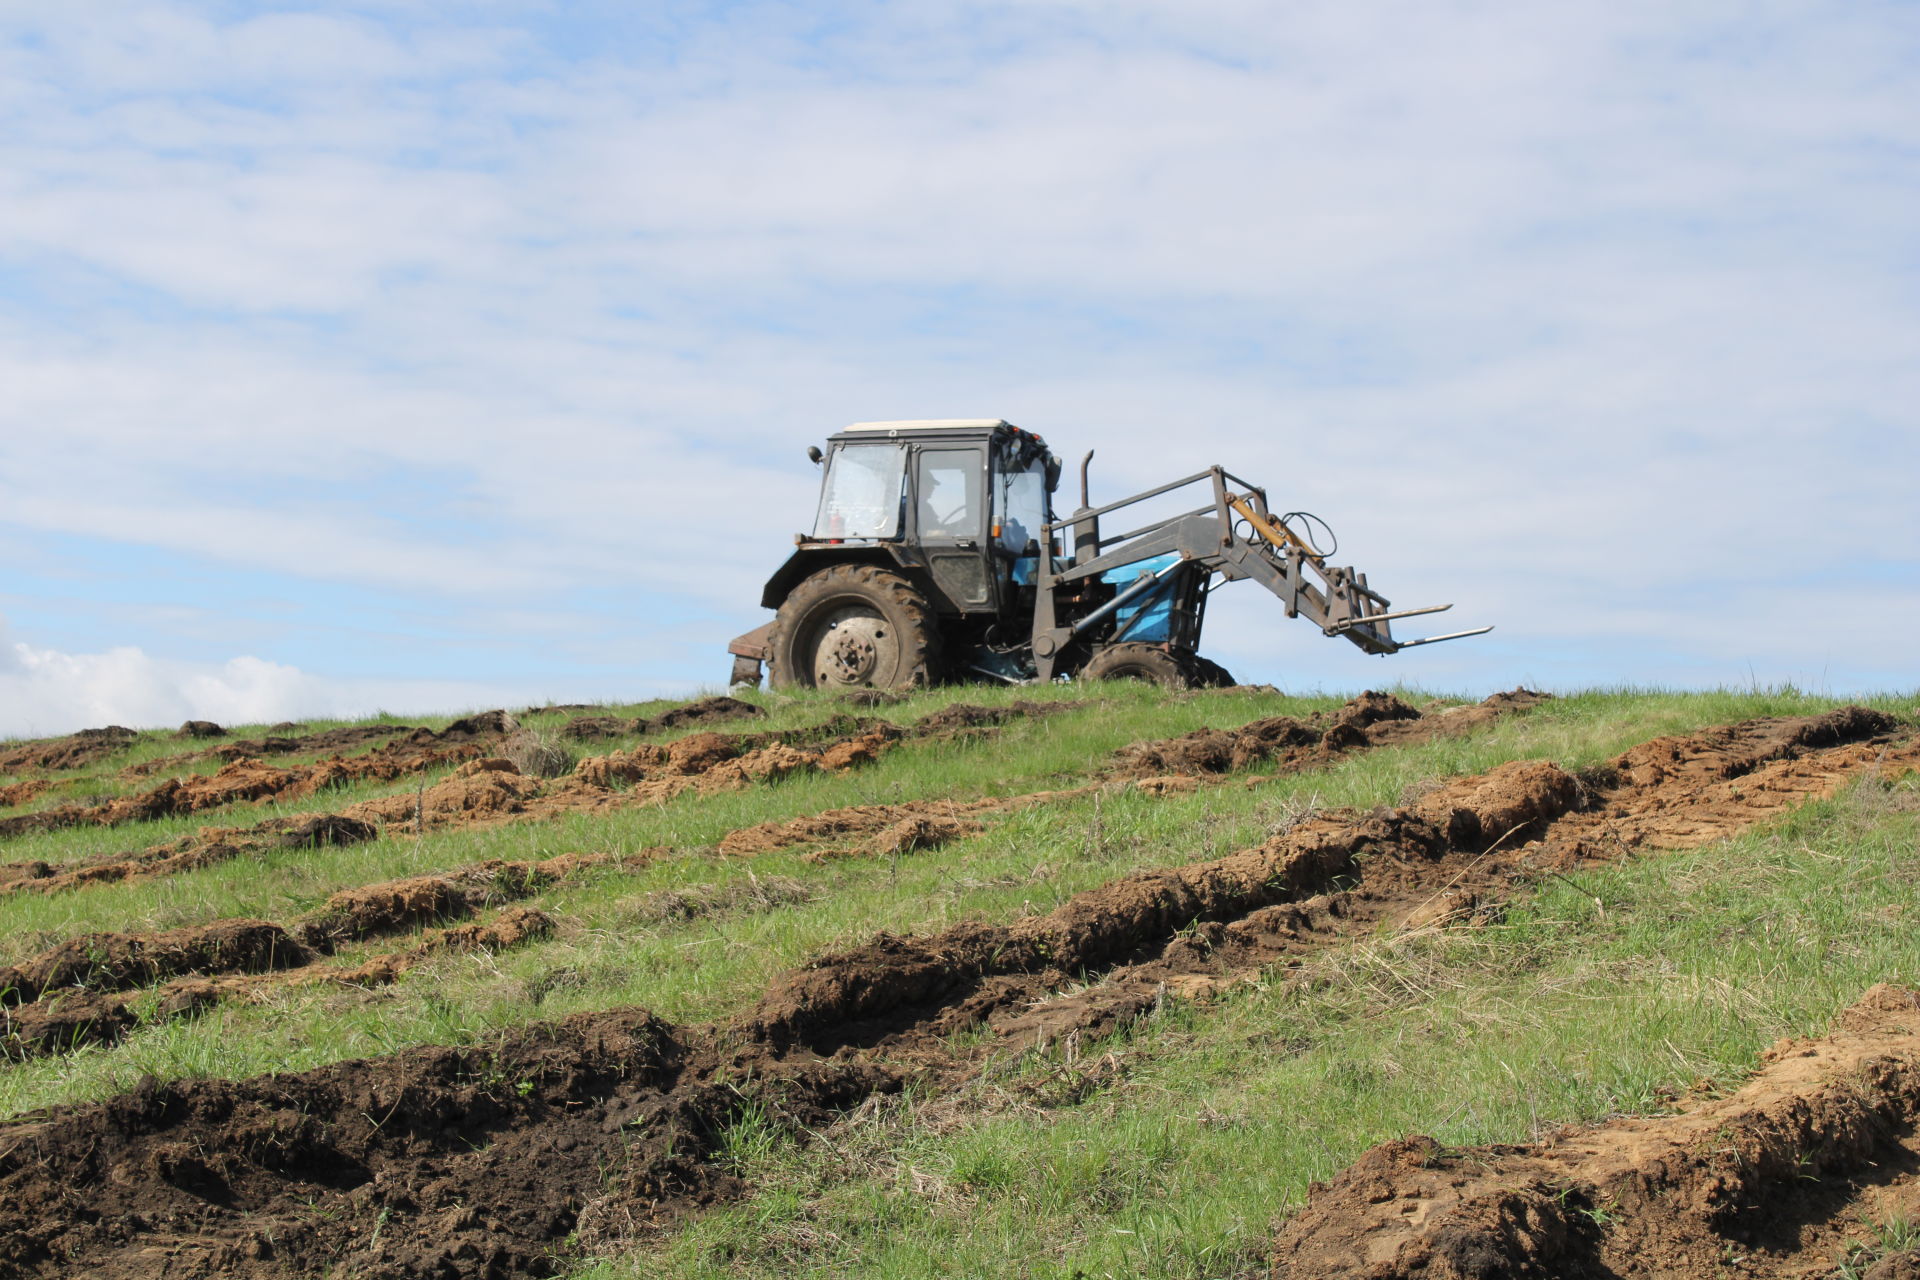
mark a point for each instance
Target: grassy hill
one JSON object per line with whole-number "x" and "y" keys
{"x": 597, "y": 991}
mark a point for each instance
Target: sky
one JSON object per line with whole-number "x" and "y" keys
{"x": 419, "y": 357}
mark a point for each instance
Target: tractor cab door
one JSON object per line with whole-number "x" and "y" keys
{"x": 1019, "y": 510}
{"x": 950, "y": 522}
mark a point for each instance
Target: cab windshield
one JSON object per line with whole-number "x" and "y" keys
{"x": 862, "y": 493}
{"x": 1019, "y": 502}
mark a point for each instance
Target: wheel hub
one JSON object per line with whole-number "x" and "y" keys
{"x": 851, "y": 651}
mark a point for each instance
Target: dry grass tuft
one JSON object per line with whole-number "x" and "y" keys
{"x": 537, "y": 754}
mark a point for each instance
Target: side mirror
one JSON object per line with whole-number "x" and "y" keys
{"x": 1053, "y": 474}
{"x": 814, "y": 455}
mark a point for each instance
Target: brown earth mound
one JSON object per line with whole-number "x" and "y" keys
{"x": 705, "y": 711}
{"x": 512, "y": 927}
{"x": 1370, "y": 708}
{"x": 431, "y": 1162}
{"x": 375, "y": 909}
{"x": 1783, "y": 1178}
{"x": 909, "y": 835}
{"x": 23, "y": 792}
{"x": 594, "y": 728}
{"x": 965, "y": 715}
{"x": 242, "y": 748}
{"x": 208, "y": 846}
{"x": 74, "y": 751}
{"x": 247, "y": 957}
{"x": 61, "y": 1023}
{"x": 479, "y": 788}
{"x": 121, "y": 961}
{"x": 1370, "y": 720}
{"x": 1464, "y": 844}
{"x": 160, "y": 860}
{"x": 248, "y": 779}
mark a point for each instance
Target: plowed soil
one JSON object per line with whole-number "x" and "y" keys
{"x": 511, "y": 927}
{"x": 55, "y": 1001}
{"x": 703, "y": 712}
{"x": 248, "y": 779}
{"x": 1163, "y": 767}
{"x": 1370, "y": 720}
{"x": 874, "y": 820}
{"x": 74, "y": 751}
{"x": 23, "y": 792}
{"x": 120, "y": 961}
{"x": 245, "y": 748}
{"x": 206, "y": 847}
{"x": 1459, "y": 848}
{"x": 1781, "y": 1179}
{"x": 431, "y": 1162}
{"x": 484, "y": 790}
{"x": 483, "y": 1160}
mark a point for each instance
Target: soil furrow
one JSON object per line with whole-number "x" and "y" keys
{"x": 1455, "y": 850}
{"x": 489, "y": 790}
{"x": 1167, "y": 766}
{"x": 274, "y": 745}
{"x": 248, "y": 957}
{"x": 75, "y": 751}
{"x": 248, "y": 779}
{"x": 206, "y": 847}
{"x": 1783, "y": 1178}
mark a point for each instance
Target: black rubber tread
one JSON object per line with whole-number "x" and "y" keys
{"x": 1128, "y": 661}
{"x": 889, "y": 594}
{"x": 1208, "y": 674}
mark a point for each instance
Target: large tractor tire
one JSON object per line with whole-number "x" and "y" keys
{"x": 1147, "y": 662}
{"x": 853, "y": 626}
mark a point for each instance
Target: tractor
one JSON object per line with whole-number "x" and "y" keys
{"x": 936, "y": 555}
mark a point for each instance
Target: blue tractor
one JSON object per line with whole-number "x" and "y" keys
{"x": 936, "y": 555}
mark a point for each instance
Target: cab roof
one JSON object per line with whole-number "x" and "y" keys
{"x": 933, "y": 424}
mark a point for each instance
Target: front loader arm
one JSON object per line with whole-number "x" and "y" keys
{"x": 1236, "y": 536}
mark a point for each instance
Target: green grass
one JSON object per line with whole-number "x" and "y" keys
{"x": 1172, "y": 1158}
{"x": 1609, "y": 992}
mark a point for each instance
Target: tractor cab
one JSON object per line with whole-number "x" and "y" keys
{"x": 954, "y": 507}
{"x": 961, "y": 501}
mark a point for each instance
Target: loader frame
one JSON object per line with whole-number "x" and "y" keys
{"x": 1235, "y": 535}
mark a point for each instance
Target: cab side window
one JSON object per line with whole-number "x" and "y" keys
{"x": 947, "y": 485}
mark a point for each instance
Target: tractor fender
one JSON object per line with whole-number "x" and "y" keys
{"x": 807, "y": 561}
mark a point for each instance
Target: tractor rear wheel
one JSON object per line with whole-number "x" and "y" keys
{"x": 1166, "y": 668}
{"x": 853, "y": 626}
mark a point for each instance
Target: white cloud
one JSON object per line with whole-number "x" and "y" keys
{"x": 45, "y": 692}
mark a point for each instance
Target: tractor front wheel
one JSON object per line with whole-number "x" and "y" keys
{"x": 1166, "y": 668}
{"x": 853, "y": 626}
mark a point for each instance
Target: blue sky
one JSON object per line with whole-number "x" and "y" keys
{"x": 422, "y": 356}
